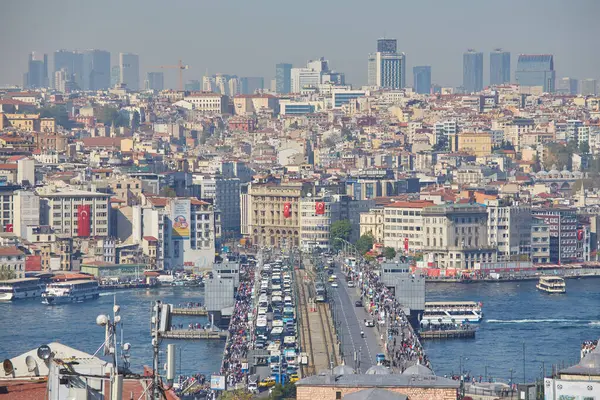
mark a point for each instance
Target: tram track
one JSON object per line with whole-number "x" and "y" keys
{"x": 306, "y": 338}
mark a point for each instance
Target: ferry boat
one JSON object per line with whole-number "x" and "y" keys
{"x": 452, "y": 312}
{"x": 71, "y": 291}
{"x": 21, "y": 288}
{"x": 552, "y": 284}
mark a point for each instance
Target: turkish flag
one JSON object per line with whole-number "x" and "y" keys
{"x": 83, "y": 220}
{"x": 319, "y": 208}
{"x": 405, "y": 244}
{"x": 287, "y": 210}
{"x": 9, "y": 228}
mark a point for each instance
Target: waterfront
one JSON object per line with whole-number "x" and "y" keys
{"x": 552, "y": 327}
{"x": 27, "y": 324}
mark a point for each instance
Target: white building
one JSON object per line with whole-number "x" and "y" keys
{"x": 315, "y": 227}
{"x": 27, "y": 211}
{"x": 129, "y": 65}
{"x": 387, "y": 70}
{"x": 12, "y": 259}
{"x": 304, "y": 77}
{"x": 26, "y": 171}
{"x": 209, "y": 102}
{"x": 509, "y": 228}
{"x": 403, "y": 225}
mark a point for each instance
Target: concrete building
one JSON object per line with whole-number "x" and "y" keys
{"x": 567, "y": 237}
{"x": 456, "y": 235}
{"x": 509, "y": 228}
{"x": 129, "y": 70}
{"x": 96, "y": 70}
{"x": 251, "y": 84}
{"x": 209, "y": 102}
{"x": 304, "y": 77}
{"x": 387, "y": 70}
{"x": 473, "y": 71}
{"x": 59, "y": 208}
{"x": 224, "y": 193}
{"x": 540, "y": 242}
{"x": 314, "y": 225}
{"x": 536, "y": 70}
{"x": 269, "y": 225}
{"x": 37, "y": 72}
{"x": 408, "y": 288}
{"x": 422, "y": 79}
{"x": 568, "y": 86}
{"x": 12, "y": 259}
{"x": 154, "y": 81}
{"x": 476, "y": 143}
{"x": 403, "y": 225}
{"x": 72, "y": 63}
{"x": 371, "y": 222}
{"x": 589, "y": 87}
{"x": 579, "y": 381}
{"x": 26, "y": 211}
{"x": 283, "y": 78}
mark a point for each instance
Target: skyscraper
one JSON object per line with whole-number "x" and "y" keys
{"x": 589, "y": 87}
{"x": 192, "y": 86}
{"x": 387, "y": 69}
{"x": 422, "y": 79}
{"x": 499, "y": 67}
{"x": 536, "y": 70}
{"x": 154, "y": 81}
{"x": 96, "y": 70}
{"x": 250, "y": 84}
{"x": 567, "y": 86}
{"x": 472, "y": 71}
{"x": 115, "y": 75}
{"x": 387, "y": 45}
{"x": 283, "y": 78}
{"x": 72, "y": 63}
{"x": 37, "y": 72}
{"x": 130, "y": 70}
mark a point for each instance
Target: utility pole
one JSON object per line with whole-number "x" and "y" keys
{"x": 155, "y": 347}
{"x": 524, "y": 362}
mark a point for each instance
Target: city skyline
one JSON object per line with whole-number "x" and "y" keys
{"x": 256, "y": 55}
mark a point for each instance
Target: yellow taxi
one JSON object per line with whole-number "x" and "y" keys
{"x": 267, "y": 382}
{"x": 331, "y": 279}
{"x": 294, "y": 378}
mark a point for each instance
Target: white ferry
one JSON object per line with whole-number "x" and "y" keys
{"x": 21, "y": 288}
{"x": 70, "y": 291}
{"x": 452, "y": 312}
{"x": 552, "y": 284}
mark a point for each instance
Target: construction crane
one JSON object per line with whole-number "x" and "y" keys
{"x": 180, "y": 67}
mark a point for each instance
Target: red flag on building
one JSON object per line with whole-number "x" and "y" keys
{"x": 406, "y": 244}
{"x": 287, "y": 210}
{"x": 579, "y": 234}
{"x": 83, "y": 220}
{"x": 319, "y": 208}
{"x": 8, "y": 228}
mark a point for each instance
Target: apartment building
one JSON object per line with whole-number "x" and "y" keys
{"x": 455, "y": 235}
{"x": 12, "y": 259}
{"x": 317, "y": 213}
{"x": 509, "y": 228}
{"x": 567, "y": 236}
{"x": 371, "y": 222}
{"x": 209, "y": 102}
{"x": 403, "y": 225}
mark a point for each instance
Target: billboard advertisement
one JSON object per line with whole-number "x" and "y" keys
{"x": 217, "y": 382}
{"x": 180, "y": 219}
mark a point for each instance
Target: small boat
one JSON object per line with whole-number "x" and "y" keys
{"x": 71, "y": 292}
{"x": 552, "y": 284}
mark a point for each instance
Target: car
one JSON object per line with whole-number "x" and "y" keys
{"x": 334, "y": 284}
{"x": 369, "y": 323}
{"x": 331, "y": 279}
{"x": 267, "y": 382}
{"x": 350, "y": 284}
{"x": 294, "y": 378}
{"x": 358, "y": 303}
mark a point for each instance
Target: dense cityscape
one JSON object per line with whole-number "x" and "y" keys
{"x": 299, "y": 235}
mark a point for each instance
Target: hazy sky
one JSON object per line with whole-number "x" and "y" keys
{"x": 248, "y": 38}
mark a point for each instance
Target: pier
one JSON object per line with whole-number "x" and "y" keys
{"x": 194, "y": 311}
{"x": 448, "y": 334}
{"x": 194, "y": 334}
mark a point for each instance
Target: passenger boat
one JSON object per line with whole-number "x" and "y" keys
{"x": 552, "y": 284}
{"x": 70, "y": 292}
{"x": 21, "y": 288}
{"x": 452, "y": 312}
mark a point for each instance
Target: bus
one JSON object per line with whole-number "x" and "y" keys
{"x": 320, "y": 292}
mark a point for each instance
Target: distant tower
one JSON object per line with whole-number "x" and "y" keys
{"x": 536, "y": 70}
{"x": 473, "y": 71}
{"x": 129, "y": 65}
{"x": 422, "y": 79}
{"x": 499, "y": 67}
{"x": 283, "y": 78}
{"x": 387, "y": 67}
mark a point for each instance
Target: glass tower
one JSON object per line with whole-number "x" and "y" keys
{"x": 283, "y": 78}
{"x": 387, "y": 45}
{"x": 422, "y": 79}
{"x": 473, "y": 71}
{"x": 536, "y": 70}
{"x": 96, "y": 70}
{"x": 499, "y": 67}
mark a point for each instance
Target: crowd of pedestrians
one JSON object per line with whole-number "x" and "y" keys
{"x": 588, "y": 346}
{"x": 401, "y": 342}
{"x": 237, "y": 345}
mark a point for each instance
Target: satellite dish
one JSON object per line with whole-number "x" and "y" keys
{"x": 32, "y": 366}
{"x": 44, "y": 352}
{"x": 8, "y": 367}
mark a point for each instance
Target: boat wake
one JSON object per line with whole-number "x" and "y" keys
{"x": 107, "y": 293}
{"x": 541, "y": 321}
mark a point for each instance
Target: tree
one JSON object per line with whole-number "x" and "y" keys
{"x": 135, "y": 120}
{"x": 341, "y": 229}
{"x": 365, "y": 243}
{"x": 584, "y": 147}
{"x": 237, "y": 394}
{"x": 59, "y": 113}
{"x": 168, "y": 191}
{"x": 7, "y": 274}
{"x": 389, "y": 253}
{"x": 287, "y": 391}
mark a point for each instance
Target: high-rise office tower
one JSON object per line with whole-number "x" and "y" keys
{"x": 154, "y": 81}
{"x": 536, "y": 70}
{"x": 422, "y": 79}
{"x": 387, "y": 69}
{"x": 72, "y": 64}
{"x": 387, "y": 45}
{"x": 589, "y": 87}
{"x": 250, "y": 84}
{"x": 115, "y": 76}
{"x": 192, "y": 86}
{"x": 130, "y": 70}
{"x": 96, "y": 70}
{"x": 567, "y": 86}
{"x": 472, "y": 71}
{"x": 283, "y": 78}
{"x": 37, "y": 72}
{"x": 499, "y": 67}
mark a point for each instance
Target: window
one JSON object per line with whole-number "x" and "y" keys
{"x": 338, "y": 395}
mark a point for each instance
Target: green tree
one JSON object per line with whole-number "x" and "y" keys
{"x": 584, "y": 147}
{"x": 59, "y": 113}
{"x": 7, "y": 274}
{"x": 365, "y": 243}
{"x": 287, "y": 391}
{"x": 341, "y": 229}
{"x": 168, "y": 191}
{"x": 135, "y": 120}
{"x": 238, "y": 394}
{"x": 389, "y": 253}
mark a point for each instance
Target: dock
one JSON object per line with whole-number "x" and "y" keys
{"x": 448, "y": 334}
{"x": 195, "y": 311}
{"x": 194, "y": 334}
